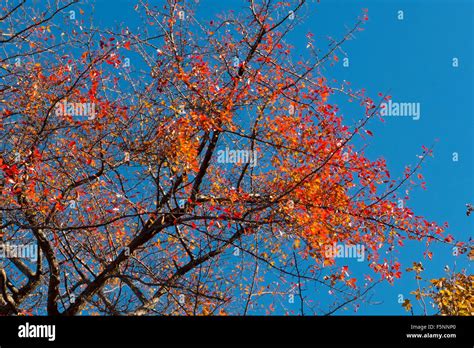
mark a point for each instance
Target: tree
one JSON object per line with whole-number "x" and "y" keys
{"x": 451, "y": 295}
{"x": 214, "y": 174}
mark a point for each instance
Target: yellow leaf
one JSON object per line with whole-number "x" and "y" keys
{"x": 297, "y": 244}
{"x": 407, "y": 305}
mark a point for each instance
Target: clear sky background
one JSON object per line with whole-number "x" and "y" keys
{"x": 411, "y": 60}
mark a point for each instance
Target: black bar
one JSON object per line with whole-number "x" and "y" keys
{"x": 291, "y": 331}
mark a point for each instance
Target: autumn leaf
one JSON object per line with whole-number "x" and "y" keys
{"x": 407, "y": 305}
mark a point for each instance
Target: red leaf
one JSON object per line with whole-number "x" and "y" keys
{"x": 351, "y": 282}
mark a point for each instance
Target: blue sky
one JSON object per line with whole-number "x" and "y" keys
{"x": 410, "y": 59}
